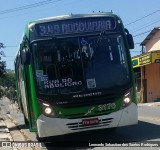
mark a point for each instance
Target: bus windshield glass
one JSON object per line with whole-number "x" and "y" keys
{"x": 80, "y": 64}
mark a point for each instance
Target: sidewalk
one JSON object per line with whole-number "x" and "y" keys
{"x": 149, "y": 104}
{"x": 5, "y": 136}
{"x": 4, "y": 132}
{"x": 10, "y": 132}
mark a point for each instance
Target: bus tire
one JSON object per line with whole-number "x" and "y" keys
{"x": 38, "y": 138}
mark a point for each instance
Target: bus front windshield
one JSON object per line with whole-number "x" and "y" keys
{"x": 80, "y": 64}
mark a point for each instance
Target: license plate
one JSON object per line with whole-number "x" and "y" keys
{"x": 91, "y": 121}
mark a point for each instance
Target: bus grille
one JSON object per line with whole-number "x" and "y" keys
{"x": 79, "y": 126}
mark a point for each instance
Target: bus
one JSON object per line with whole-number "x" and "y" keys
{"x": 74, "y": 73}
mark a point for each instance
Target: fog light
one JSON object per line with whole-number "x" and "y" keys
{"x": 48, "y": 110}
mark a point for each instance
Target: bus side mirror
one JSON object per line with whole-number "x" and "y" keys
{"x": 129, "y": 39}
{"x": 26, "y": 57}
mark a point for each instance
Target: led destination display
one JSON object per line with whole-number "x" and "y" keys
{"x": 68, "y": 26}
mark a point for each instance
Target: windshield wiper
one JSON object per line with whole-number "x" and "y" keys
{"x": 96, "y": 45}
{"x": 99, "y": 39}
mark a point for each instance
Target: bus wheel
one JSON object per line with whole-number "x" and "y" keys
{"x": 38, "y": 138}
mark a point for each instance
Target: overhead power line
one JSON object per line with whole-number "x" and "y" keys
{"x": 11, "y": 46}
{"x": 37, "y": 11}
{"x": 10, "y": 60}
{"x": 138, "y": 43}
{"x": 142, "y": 18}
{"x": 150, "y": 40}
{"x": 147, "y": 24}
{"x": 135, "y": 51}
{"x": 142, "y": 33}
{"x": 28, "y": 6}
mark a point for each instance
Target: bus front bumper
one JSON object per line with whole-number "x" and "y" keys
{"x": 59, "y": 126}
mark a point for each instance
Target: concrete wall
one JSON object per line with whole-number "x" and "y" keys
{"x": 152, "y": 74}
{"x": 154, "y": 42}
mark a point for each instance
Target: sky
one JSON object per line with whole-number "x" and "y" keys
{"x": 138, "y": 16}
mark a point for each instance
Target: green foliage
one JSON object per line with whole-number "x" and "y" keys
{"x": 8, "y": 80}
{"x": 2, "y": 67}
{"x": 2, "y": 63}
{"x": 8, "y": 85}
{"x": 1, "y": 92}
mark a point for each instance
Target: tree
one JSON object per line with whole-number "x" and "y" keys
{"x": 2, "y": 67}
{"x": 10, "y": 80}
{"x": 2, "y": 63}
{"x": 8, "y": 85}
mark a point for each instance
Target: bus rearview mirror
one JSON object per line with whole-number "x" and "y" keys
{"x": 25, "y": 56}
{"x": 130, "y": 41}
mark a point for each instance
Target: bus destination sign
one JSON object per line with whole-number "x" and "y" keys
{"x": 75, "y": 26}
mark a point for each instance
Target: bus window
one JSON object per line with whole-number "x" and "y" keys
{"x": 107, "y": 62}
{"x": 58, "y": 66}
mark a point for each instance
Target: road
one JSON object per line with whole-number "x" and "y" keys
{"x": 147, "y": 129}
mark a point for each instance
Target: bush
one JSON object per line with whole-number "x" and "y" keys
{"x": 8, "y": 85}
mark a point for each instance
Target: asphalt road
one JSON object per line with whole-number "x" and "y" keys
{"x": 147, "y": 129}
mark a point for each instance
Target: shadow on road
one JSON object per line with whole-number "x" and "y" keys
{"x": 143, "y": 131}
{"x": 18, "y": 127}
{"x": 146, "y": 131}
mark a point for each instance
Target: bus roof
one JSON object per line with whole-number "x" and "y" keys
{"x": 71, "y": 16}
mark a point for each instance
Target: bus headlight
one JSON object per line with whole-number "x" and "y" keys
{"x": 48, "y": 110}
{"x": 127, "y": 99}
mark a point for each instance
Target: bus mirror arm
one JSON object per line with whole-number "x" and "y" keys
{"x": 129, "y": 39}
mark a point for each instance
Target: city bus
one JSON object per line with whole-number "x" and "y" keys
{"x": 74, "y": 73}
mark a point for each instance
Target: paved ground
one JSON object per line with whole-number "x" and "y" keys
{"x": 9, "y": 129}
{"x": 10, "y": 132}
{"x": 149, "y": 104}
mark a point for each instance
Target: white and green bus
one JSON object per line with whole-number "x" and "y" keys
{"x": 74, "y": 74}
